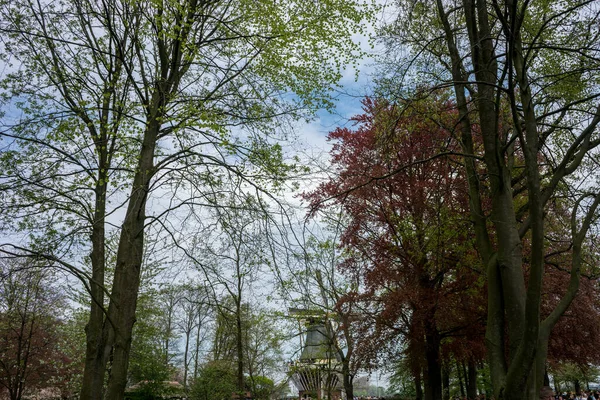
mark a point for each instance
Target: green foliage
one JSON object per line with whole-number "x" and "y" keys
{"x": 402, "y": 381}
{"x": 566, "y": 374}
{"x": 178, "y": 94}
{"x": 154, "y": 390}
{"x": 148, "y": 358}
{"x": 262, "y": 387}
{"x": 261, "y": 340}
{"x": 216, "y": 381}
{"x": 83, "y": 106}
{"x": 72, "y": 344}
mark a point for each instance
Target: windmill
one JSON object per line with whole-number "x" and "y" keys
{"x": 315, "y": 372}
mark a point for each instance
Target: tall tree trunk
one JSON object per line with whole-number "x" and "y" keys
{"x": 471, "y": 380}
{"x": 197, "y": 354}
{"x": 418, "y": 384}
{"x": 348, "y": 378}
{"x": 186, "y": 367}
{"x": 168, "y": 330}
{"x": 433, "y": 381}
{"x": 97, "y": 328}
{"x": 240, "y": 348}
{"x": 446, "y": 382}
{"x": 347, "y": 374}
{"x": 459, "y": 373}
{"x": 129, "y": 259}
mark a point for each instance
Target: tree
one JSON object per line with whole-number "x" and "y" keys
{"x": 238, "y": 258}
{"x": 406, "y": 240}
{"x": 263, "y": 352}
{"x": 567, "y": 374}
{"x": 573, "y": 341}
{"x": 216, "y": 381}
{"x": 260, "y": 345}
{"x": 151, "y": 359}
{"x": 262, "y": 388}
{"x": 117, "y": 97}
{"x": 194, "y": 310}
{"x": 235, "y": 255}
{"x": 524, "y": 77}
{"x": 32, "y": 355}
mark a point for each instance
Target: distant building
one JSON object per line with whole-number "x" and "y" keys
{"x": 316, "y": 372}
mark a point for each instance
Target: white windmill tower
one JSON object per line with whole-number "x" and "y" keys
{"x": 316, "y": 372}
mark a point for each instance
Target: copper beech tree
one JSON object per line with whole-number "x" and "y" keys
{"x": 400, "y": 179}
{"x": 406, "y": 236}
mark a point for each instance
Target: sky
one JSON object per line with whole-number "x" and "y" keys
{"x": 312, "y": 137}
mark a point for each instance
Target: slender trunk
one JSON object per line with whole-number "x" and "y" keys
{"x": 460, "y": 379}
{"x": 446, "y": 382}
{"x": 465, "y": 377}
{"x": 99, "y": 331}
{"x": 167, "y": 339}
{"x": 577, "y": 386}
{"x": 418, "y": 384}
{"x": 347, "y": 377}
{"x": 509, "y": 380}
{"x": 472, "y": 380}
{"x": 197, "y": 355}
{"x": 186, "y": 368}
{"x": 92, "y": 387}
{"x": 539, "y": 370}
{"x": 25, "y": 339}
{"x": 240, "y": 349}
{"x": 486, "y": 66}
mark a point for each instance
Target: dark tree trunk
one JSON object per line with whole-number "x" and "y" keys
{"x": 471, "y": 380}
{"x": 239, "y": 345}
{"x": 97, "y": 329}
{"x": 433, "y": 381}
{"x": 446, "y": 382}
{"x": 577, "y": 385}
{"x": 418, "y": 385}
{"x": 513, "y": 308}
{"x": 186, "y": 366}
{"x": 348, "y": 378}
{"x": 459, "y": 373}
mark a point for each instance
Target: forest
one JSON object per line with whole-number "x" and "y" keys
{"x": 173, "y": 227}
